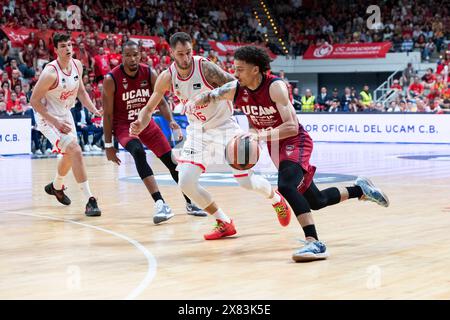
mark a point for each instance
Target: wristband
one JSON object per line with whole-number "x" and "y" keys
{"x": 109, "y": 145}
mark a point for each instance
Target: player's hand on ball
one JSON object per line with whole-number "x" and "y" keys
{"x": 111, "y": 155}
{"x": 136, "y": 128}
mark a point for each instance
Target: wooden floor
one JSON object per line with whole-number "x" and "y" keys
{"x": 48, "y": 251}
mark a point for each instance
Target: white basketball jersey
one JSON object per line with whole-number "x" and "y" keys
{"x": 208, "y": 116}
{"x": 62, "y": 96}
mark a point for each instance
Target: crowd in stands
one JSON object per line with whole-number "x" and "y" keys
{"x": 408, "y": 93}
{"x": 420, "y": 25}
{"x": 21, "y": 67}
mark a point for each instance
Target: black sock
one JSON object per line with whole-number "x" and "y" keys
{"x": 187, "y": 199}
{"x": 310, "y": 231}
{"x": 157, "y": 196}
{"x": 354, "y": 192}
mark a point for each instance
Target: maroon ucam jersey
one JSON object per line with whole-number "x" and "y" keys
{"x": 131, "y": 94}
{"x": 263, "y": 113}
{"x": 257, "y": 105}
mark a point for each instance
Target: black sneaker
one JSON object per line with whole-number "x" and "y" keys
{"x": 59, "y": 194}
{"x": 92, "y": 209}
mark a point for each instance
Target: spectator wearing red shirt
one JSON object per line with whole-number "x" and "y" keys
{"x": 19, "y": 92}
{"x": 101, "y": 64}
{"x": 145, "y": 58}
{"x": 13, "y": 104}
{"x": 154, "y": 57}
{"x": 396, "y": 85}
{"x": 162, "y": 46}
{"x": 12, "y": 66}
{"x": 115, "y": 58}
{"x": 415, "y": 89}
{"x": 428, "y": 79}
{"x": 31, "y": 40}
{"x": 433, "y": 95}
{"x": 441, "y": 66}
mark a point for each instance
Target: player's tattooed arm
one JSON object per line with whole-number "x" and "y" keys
{"x": 225, "y": 92}
{"x": 214, "y": 75}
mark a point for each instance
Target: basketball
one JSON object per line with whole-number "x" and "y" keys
{"x": 242, "y": 154}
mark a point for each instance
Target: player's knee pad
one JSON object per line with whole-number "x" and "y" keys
{"x": 142, "y": 166}
{"x": 169, "y": 161}
{"x": 188, "y": 182}
{"x": 245, "y": 182}
{"x": 286, "y": 189}
{"x": 138, "y": 153}
{"x": 64, "y": 141}
{"x": 135, "y": 148}
{"x": 143, "y": 169}
{"x": 317, "y": 204}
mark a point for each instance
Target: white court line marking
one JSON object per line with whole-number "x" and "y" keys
{"x": 151, "y": 261}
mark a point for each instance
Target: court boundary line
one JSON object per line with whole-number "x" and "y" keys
{"x": 151, "y": 261}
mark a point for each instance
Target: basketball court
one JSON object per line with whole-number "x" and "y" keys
{"x": 48, "y": 251}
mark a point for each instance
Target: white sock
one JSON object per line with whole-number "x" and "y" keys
{"x": 84, "y": 187}
{"x": 220, "y": 215}
{"x": 276, "y": 198}
{"x": 58, "y": 182}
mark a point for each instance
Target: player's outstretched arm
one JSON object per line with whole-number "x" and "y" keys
{"x": 83, "y": 96}
{"x": 162, "y": 85}
{"x": 165, "y": 110}
{"x": 279, "y": 94}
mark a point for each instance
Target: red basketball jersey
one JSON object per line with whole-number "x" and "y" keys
{"x": 131, "y": 94}
{"x": 257, "y": 105}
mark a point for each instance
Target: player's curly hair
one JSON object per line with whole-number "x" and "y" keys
{"x": 255, "y": 56}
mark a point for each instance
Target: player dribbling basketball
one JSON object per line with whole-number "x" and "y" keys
{"x": 210, "y": 128}
{"x": 264, "y": 99}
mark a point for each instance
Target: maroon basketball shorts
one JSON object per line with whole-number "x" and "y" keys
{"x": 152, "y": 137}
{"x": 297, "y": 149}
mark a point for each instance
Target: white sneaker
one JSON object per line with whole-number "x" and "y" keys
{"x": 38, "y": 152}
{"x": 48, "y": 151}
{"x": 95, "y": 148}
{"x": 86, "y": 148}
{"x": 162, "y": 212}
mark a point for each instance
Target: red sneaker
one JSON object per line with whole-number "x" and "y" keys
{"x": 221, "y": 229}
{"x": 283, "y": 211}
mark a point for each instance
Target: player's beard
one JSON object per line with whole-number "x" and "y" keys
{"x": 182, "y": 67}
